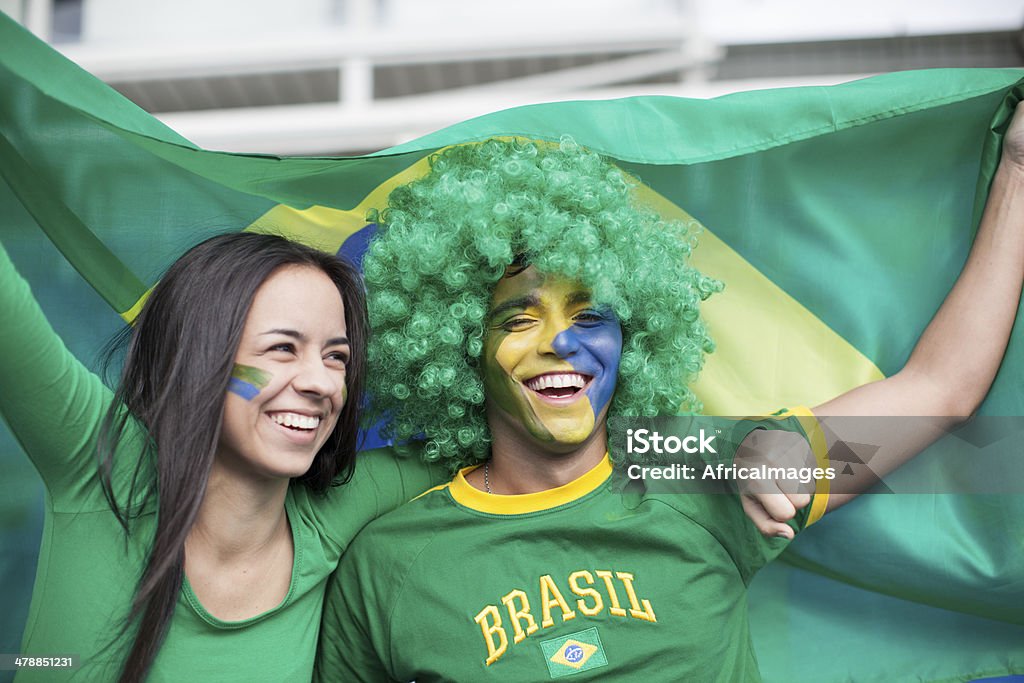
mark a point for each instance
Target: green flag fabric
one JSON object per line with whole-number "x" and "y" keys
{"x": 837, "y": 217}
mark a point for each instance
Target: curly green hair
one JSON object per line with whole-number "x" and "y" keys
{"x": 447, "y": 238}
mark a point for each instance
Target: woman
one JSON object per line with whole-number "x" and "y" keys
{"x": 244, "y": 373}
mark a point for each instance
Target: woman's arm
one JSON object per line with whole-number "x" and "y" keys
{"x": 383, "y": 480}
{"x": 50, "y": 401}
{"x": 952, "y": 366}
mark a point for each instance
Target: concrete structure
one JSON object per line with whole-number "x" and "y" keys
{"x": 348, "y": 76}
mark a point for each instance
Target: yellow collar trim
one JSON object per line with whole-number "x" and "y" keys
{"x": 469, "y": 496}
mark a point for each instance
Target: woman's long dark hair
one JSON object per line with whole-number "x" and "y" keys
{"x": 175, "y": 377}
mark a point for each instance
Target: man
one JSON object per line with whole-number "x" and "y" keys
{"x": 519, "y": 297}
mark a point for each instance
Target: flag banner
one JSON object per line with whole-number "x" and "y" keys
{"x": 837, "y": 217}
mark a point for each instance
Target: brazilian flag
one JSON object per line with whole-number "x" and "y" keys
{"x": 837, "y": 217}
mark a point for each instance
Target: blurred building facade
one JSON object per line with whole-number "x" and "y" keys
{"x": 327, "y": 77}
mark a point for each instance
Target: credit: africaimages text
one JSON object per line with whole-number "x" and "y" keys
{"x": 651, "y": 442}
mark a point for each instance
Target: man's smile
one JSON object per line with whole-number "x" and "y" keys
{"x": 559, "y": 387}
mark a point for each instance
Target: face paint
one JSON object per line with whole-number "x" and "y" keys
{"x": 593, "y": 345}
{"x": 550, "y": 358}
{"x": 247, "y": 381}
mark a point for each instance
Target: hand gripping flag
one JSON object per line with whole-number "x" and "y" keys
{"x": 837, "y": 217}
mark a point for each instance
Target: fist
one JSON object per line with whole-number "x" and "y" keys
{"x": 771, "y": 503}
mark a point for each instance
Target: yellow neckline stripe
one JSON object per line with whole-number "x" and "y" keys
{"x": 467, "y": 495}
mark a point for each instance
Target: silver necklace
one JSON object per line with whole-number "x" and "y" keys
{"x": 487, "y": 479}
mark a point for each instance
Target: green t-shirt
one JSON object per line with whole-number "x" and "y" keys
{"x": 583, "y": 581}
{"x": 88, "y": 569}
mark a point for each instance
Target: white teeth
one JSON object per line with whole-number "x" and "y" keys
{"x": 295, "y": 420}
{"x": 561, "y": 380}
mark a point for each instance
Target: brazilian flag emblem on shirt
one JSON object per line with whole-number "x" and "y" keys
{"x": 571, "y": 654}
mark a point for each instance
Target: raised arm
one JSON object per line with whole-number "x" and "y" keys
{"x": 50, "y": 401}
{"x": 944, "y": 378}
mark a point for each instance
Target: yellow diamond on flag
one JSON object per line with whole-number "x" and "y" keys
{"x": 573, "y": 653}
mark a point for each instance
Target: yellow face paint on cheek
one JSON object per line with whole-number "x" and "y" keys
{"x": 499, "y": 385}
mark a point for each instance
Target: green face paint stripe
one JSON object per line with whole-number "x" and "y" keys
{"x": 247, "y": 381}
{"x": 250, "y": 375}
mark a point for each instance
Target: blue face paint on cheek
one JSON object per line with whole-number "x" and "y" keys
{"x": 594, "y": 349}
{"x": 247, "y": 381}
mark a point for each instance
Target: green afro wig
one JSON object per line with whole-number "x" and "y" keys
{"x": 447, "y": 238}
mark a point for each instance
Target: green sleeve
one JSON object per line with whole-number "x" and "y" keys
{"x": 749, "y": 548}
{"x": 398, "y": 477}
{"x": 383, "y": 480}
{"x": 354, "y": 642}
{"x": 51, "y": 402}
{"x": 720, "y": 511}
